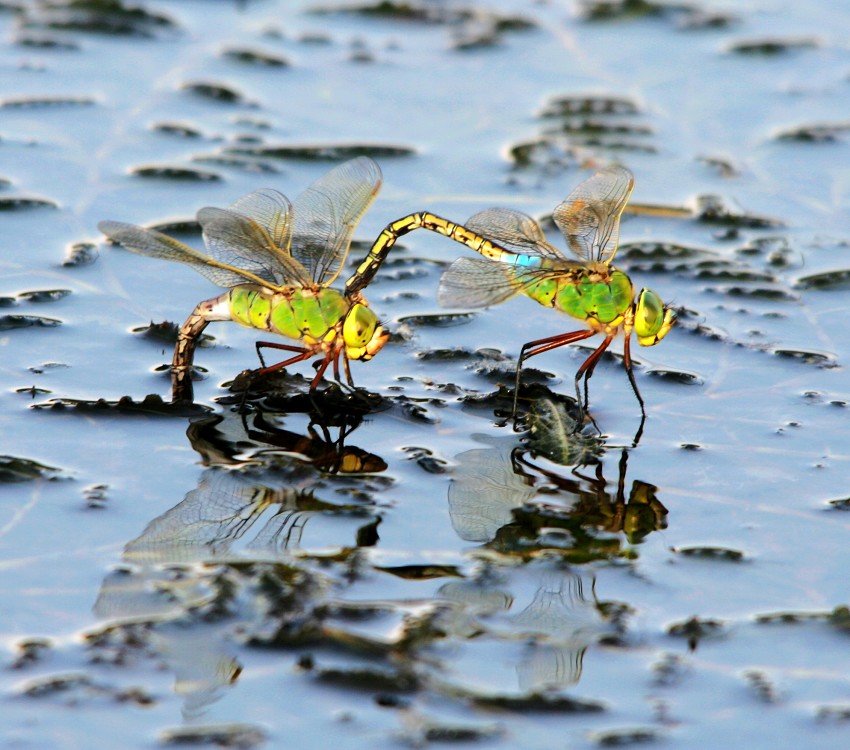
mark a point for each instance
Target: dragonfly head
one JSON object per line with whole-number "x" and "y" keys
{"x": 653, "y": 319}
{"x": 362, "y": 335}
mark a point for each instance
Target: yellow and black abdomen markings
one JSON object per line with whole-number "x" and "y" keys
{"x": 380, "y": 249}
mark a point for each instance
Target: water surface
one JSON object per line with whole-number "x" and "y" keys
{"x": 197, "y": 577}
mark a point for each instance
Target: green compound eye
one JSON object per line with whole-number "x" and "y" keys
{"x": 653, "y": 320}
{"x": 649, "y": 314}
{"x": 359, "y": 326}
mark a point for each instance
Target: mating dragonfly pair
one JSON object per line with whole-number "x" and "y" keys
{"x": 278, "y": 260}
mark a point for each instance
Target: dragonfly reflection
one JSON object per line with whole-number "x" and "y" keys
{"x": 560, "y": 619}
{"x": 547, "y": 503}
{"x": 252, "y": 505}
{"x": 321, "y": 444}
{"x": 505, "y": 497}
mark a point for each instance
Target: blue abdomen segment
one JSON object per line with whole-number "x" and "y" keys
{"x": 524, "y": 261}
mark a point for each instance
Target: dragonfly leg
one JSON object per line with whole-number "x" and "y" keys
{"x": 274, "y": 345}
{"x": 589, "y": 365}
{"x": 347, "y": 365}
{"x": 539, "y": 346}
{"x": 339, "y": 354}
{"x": 336, "y": 365}
{"x": 321, "y": 371}
{"x": 305, "y": 354}
{"x": 627, "y": 363}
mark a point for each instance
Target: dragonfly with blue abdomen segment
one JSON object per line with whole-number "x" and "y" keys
{"x": 518, "y": 259}
{"x": 277, "y": 259}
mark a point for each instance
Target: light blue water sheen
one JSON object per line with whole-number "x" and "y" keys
{"x": 748, "y": 458}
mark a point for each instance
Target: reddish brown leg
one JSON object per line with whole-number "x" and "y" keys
{"x": 539, "y": 346}
{"x": 340, "y": 354}
{"x": 320, "y": 371}
{"x": 588, "y": 366}
{"x": 280, "y": 365}
{"x": 303, "y": 354}
{"x": 274, "y": 345}
{"x": 627, "y": 363}
{"x": 347, "y": 367}
{"x": 336, "y": 365}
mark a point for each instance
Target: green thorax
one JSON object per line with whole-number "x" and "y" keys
{"x": 602, "y": 293}
{"x": 296, "y": 313}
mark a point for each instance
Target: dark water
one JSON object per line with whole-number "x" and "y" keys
{"x": 193, "y": 577}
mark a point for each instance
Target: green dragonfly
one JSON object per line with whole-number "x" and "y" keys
{"x": 517, "y": 258}
{"x": 278, "y": 259}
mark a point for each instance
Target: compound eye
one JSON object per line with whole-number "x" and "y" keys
{"x": 649, "y": 315}
{"x": 359, "y": 326}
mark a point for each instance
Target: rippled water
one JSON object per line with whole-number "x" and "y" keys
{"x": 403, "y": 568}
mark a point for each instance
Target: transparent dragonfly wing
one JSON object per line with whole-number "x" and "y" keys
{"x": 513, "y": 231}
{"x": 272, "y": 211}
{"x": 478, "y": 282}
{"x": 484, "y": 491}
{"x": 327, "y": 212}
{"x": 590, "y": 216}
{"x": 226, "y": 509}
{"x": 240, "y": 242}
{"x": 154, "y": 244}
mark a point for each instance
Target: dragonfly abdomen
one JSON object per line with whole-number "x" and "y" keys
{"x": 301, "y": 314}
{"x": 421, "y": 220}
{"x": 580, "y": 296}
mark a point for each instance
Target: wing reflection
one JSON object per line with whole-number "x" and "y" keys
{"x": 253, "y": 503}
{"x": 561, "y": 623}
{"x": 555, "y": 627}
{"x": 542, "y": 504}
{"x": 485, "y": 490}
{"x": 523, "y": 497}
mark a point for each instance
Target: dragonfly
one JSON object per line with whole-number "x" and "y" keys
{"x": 518, "y": 259}
{"x": 277, "y": 259}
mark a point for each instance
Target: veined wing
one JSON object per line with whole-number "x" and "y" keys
{"x": 157, "y": 245}
{"x": 590, "y": 216}
{"x": 238, "y": 241}
{"x": 327, "y": 212}
{"x": 272, "y": 211}
{"x": 478, "y": 282}
{"x": 514, "y": 231}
